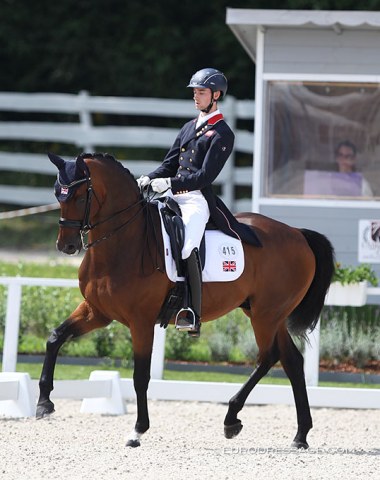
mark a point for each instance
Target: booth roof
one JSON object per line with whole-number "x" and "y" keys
{"x": 244, "y": 22}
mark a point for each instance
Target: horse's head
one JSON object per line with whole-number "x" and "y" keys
{"x": 76, "y": 187}
{"x": 73, "y": 191}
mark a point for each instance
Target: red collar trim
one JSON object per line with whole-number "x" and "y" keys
{"x": 215, "y": 119}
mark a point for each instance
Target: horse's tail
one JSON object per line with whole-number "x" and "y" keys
{"x": 305, "y": 315}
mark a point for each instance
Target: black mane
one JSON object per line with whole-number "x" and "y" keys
{"x": 106, "y": 157}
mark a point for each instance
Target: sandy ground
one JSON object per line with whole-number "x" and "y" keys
{"x": 186, "y": 442}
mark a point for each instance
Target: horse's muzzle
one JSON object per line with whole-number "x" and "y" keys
{"x": 69, "y": 246}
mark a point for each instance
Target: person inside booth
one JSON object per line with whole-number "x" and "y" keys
{"x": 346, "y": 181}
{"x": 345, "y": 156}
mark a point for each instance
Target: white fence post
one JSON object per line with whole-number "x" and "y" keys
{"x": 12, "y": 322}
{"x": 311, "y": 357}
{"x": 85, "y": 119}
{"x": 158, "y": 353}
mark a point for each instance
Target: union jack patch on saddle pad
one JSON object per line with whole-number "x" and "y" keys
{"x": 229, "y": 266}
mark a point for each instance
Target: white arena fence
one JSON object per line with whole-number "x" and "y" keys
{"x": 105, "y": 392}
{"x": 88, "y": 137}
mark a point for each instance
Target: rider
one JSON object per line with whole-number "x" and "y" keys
{"x": 196, "y": 158}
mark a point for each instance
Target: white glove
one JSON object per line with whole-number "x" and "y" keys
{"x": 143, "y": 181}
{"x": 160, "y": 185}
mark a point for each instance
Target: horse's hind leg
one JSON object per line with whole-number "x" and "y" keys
{"x": 81, "y": 321}
{"x": 292, "y": 362}
{"x": 268, "y": 356}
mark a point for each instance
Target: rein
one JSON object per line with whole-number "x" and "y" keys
{"x": 87, "y": 228}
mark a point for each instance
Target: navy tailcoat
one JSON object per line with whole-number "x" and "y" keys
{"x": 193, "y": 163}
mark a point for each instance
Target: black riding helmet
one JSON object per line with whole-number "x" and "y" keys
{"x": 212, "y": 79}
{"x": 209, "y": 78}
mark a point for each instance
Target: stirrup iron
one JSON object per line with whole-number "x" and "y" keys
{"x": 186, "y": 320}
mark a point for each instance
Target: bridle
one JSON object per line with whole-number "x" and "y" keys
{"x": 85, "y": 226}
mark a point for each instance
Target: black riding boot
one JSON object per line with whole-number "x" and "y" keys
{"x": 189, "y": 317}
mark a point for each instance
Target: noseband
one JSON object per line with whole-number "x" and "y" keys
{"x": 85, "y": 226}
{"x": 81, "y": 224}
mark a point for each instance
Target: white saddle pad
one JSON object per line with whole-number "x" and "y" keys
{"x": 224, "y": 257}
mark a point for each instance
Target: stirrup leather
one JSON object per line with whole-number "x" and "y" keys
{"x": 186, "y": 320}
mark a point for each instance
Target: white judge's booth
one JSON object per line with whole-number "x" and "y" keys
{"x": 317, "y": 85}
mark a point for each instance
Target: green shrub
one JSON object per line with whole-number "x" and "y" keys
{"x": 220, "y": 345}
{"x": 341, "y": 340}
{"x": 177, "y": 344}
{"x": 247, "y": 344}
{"x": 368, "y": 316}
{"x": 79, "y": 347}
{"x": 122, "y": 342}
{"x": 199, "y": 351}
{"x": 44, "y": 308}
{"x": 348, "y": 275}
{"x": 236, "y": 355}
{"x": 104, "y": 342}
{"x": 31, "y": 344}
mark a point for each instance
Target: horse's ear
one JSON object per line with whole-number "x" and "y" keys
{"x": 58, "y": 161}
{"x": 81, "y": 166}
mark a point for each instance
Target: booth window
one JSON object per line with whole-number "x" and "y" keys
{"x": 322, "y": 140}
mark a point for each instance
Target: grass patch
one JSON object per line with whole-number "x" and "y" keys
{"x": 218, "y": 377}
{"x": 82, "y": 372}
{"x": 49, "y": 269}
{"x": 70, "y": 372}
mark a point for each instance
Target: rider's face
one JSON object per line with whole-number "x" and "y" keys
{"x": 202, "y": 97}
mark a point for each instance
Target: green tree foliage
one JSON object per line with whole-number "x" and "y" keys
{"x": 128, "y": 48}
{"x": 116, "y": 47}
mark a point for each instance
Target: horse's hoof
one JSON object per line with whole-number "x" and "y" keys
{"x": 133, "y": 439}
{"x": 299, "y": 445}
{"x": 133, "y": 443}
{"x": 44, "y": 409}
{"x": 231, "y": 431}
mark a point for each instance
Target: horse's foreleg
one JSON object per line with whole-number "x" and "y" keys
{"x": 81, "y": 321}
{"x": 292, "y": 362}
{"x": 232, "y": 425}
{"x": 57, "y": 338}
{"x": 141, "y": 377}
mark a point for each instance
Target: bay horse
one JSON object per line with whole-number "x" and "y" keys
{"x": 282, "y": 288}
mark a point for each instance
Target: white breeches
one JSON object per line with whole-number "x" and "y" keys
{"x": 195, "y": 215}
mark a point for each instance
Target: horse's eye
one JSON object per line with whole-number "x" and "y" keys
{"x": 80, "y": 201}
